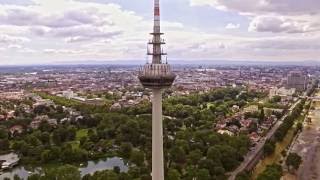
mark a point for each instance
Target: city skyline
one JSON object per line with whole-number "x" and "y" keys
{"x": 43, "y": 31}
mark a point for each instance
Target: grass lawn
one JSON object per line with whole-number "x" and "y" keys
{"x": 209, "y": 105}
{"x": 81, "y": 133}
{"x": 74, "y": 144}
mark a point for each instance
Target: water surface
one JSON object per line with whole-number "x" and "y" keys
{"x": 90, "y": 168}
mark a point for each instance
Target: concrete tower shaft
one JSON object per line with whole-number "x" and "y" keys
{"x": 157, "y": 136}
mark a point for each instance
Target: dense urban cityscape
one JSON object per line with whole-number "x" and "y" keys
{"x": 222, "y": 120}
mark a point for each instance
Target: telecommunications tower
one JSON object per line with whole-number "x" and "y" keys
{"x": 157, "y": 76}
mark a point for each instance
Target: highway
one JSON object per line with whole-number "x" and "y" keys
{"x": 251, "y": 155}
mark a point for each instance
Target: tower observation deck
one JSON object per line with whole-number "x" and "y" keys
{"x": 157, "y": 76}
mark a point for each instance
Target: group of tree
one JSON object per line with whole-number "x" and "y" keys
{"x": 293, "y": 161}
{"x": 192, "y": 149}
{"x": 272, "y": 172}
{"x": 270, "y": 145}
{"x": 4, "y": 139}
{"x": 245, "y": 175}
{"x": 289, "y": 121}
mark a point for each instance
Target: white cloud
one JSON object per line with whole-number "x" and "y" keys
{"x": 26, "y": 16}
{"x": 63, "y": 51}
{"x": 86, "y": 31}
{"x": 14, "y": 46}
{"x": 263, "y": 6}
{"x": 232, "y": 26}
{"x": 71, "y": 30}
{"x": 289, "y": 16}
{"x": 7, "y": 39}
{"x": 278, "y": 24}
{"x": 27, "y": 50}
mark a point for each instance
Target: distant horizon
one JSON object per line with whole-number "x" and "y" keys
{"x": 173, "y": 62}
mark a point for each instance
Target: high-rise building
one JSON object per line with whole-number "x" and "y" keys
{"x": 297, "y": 80}
{"x": 157, "y": 76}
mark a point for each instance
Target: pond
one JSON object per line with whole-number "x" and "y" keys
{"x": 90, "y": 168}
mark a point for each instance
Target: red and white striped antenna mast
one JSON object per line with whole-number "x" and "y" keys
{"x": 156, "y": 41}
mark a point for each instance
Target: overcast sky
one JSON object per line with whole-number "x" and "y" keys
{"x": 45, "y": 31}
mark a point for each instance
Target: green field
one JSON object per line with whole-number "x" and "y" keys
{"x": 81, "y": 133}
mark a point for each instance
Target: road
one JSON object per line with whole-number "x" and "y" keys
{"x": 259, "y": 147}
